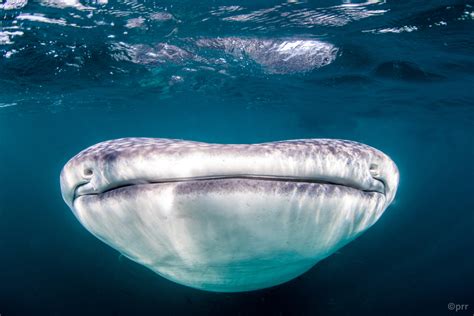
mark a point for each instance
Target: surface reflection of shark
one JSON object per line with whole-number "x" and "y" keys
{"x": 276, "y": 56}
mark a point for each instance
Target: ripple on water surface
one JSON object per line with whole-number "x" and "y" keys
{"x": 169, "y": 47}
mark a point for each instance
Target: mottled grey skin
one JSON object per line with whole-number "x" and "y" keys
{"x": 104, "y": 155}
{"x": 228, "y": 218}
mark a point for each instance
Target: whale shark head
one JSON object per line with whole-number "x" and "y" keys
{"x": 232, "y": 217}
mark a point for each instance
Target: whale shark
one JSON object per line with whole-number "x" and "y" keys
{"x": 228, "y": 217}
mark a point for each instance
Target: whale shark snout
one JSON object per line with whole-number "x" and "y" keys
{"x": 228, "y": 217}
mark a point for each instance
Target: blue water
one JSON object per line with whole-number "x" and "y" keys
{"x": 395, "y": 75}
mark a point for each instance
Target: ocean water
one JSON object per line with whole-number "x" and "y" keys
{"x": 396, "y": 75}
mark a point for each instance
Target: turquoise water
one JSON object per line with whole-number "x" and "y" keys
{"x": 396, "y": 76}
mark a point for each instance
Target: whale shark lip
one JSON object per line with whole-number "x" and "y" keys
{"x": 115, "y": 187}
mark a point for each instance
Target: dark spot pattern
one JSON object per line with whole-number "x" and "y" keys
{"x": 110, "y": 150}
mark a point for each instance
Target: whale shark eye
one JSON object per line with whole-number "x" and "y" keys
{"x": 374, "y": 170}
{"x": 87, "y": 173}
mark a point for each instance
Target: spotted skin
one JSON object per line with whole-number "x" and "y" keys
{"x": 143, "y": 146}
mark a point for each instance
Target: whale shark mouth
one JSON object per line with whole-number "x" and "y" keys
{"x": 127, "y": 184}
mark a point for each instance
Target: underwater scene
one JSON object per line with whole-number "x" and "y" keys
{"x": 249, "y": 157}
